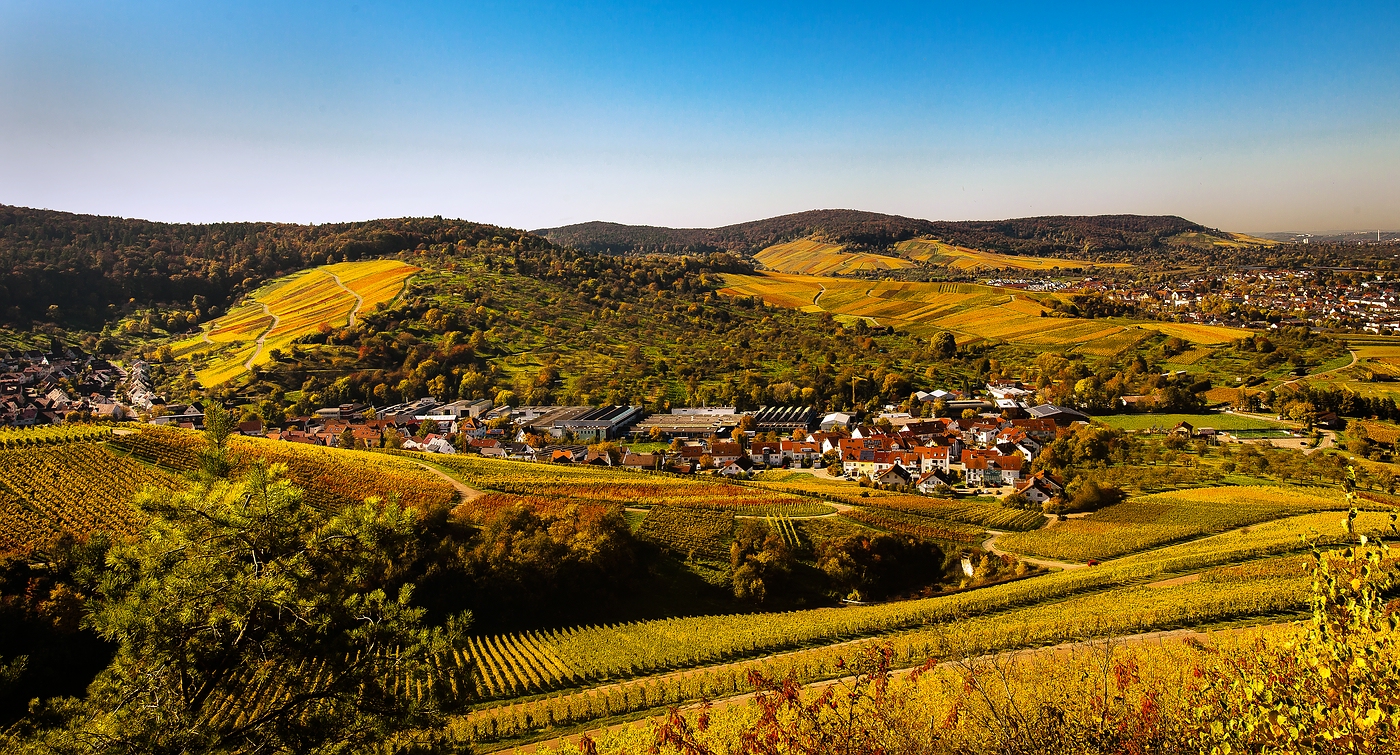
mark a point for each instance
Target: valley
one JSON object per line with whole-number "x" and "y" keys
{"x": 611, "y": 487}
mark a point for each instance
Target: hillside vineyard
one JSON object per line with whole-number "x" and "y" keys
{"x": 832, "y": 479}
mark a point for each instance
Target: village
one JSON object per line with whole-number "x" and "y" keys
{"x": 1342, "y": 301}
{"x": 988, "y": 449}
{"x": 984, "y": 442}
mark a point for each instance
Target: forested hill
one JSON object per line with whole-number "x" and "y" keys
{"x": 1042, "y": 236}
{"x": 87, "y": 266}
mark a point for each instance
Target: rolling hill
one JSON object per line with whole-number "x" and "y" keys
{"x": 289, "y": 308}
{"x": 1083, "y": 236}
{"x": 971, "y": 312}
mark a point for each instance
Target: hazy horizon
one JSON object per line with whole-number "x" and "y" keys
{"x": 1252, "y": 118}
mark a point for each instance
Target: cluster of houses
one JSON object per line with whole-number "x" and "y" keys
{"x": 991, "y": 446}
{"x": 980, "y": 452}
{"x": 47, "y": 387}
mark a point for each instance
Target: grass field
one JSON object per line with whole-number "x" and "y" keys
{"x": 287, "y": 309}
{"x": 1165, "y": 422}
{"x": 963, "y": 258}
{"x": 1153, "y": 520}
{"x": 971, "y": 312}
{"x": 819, "y": 258}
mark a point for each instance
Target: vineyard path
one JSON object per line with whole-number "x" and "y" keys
{"x": 989, "y": 545}
{"x": 262, "y": 338}
{"x": 1133, "y": 639}
{"x": 359, "y": 300}
{"x": 468, "y": 493}
{"x": 841, "y": 508}
{"x": 1324, "y": 372}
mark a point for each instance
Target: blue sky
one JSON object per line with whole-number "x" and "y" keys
{"x": 1248, "y": 117}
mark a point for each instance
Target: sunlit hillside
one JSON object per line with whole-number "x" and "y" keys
{"x": 288, "y": 308}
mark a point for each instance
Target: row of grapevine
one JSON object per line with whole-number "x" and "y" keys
{"x": 46, "y": 435}
{"x": 331, "y": 477}
{"x": 687, "y": 532}
{"x": 783, "y": 525}
{"x": 74, "y": 487}
{"x": 1115, "y": 612}
{"x": 516, "y": 665}
{"x": 622, "y": 651}
{"x": 907, "y": 523}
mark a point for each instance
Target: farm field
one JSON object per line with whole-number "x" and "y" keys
{"x": 330, "y": 476}
{"x": 963, "y": 258}
{"x": 1152, "y": 520}
{"x": 1165, "y": 422}
{"x": 688, "y": 533}
{"x": 918, "y": 525}
{"x": 819, "y": 258}
{"x": 1114, "y": 598}
{"x": 613, "y": 486}
{"x": 43, "y": 435}
{"x": 286, "y": 309}
{"x": 75, "y": 487}
{"x": 989, "y": 515}
{"x": 971, "y": 312}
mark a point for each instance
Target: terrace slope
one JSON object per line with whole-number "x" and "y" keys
{"x": 971, "y": 312}
{"x": 289, "y": 308}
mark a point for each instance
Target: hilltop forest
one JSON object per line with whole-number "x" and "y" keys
{"x": 80, "y": 270}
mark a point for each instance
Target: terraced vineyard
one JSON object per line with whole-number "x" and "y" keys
{"x": 918, "y": 525}
{"x": 963, "y": 258}
{"x": 617, "y": 486}
{"x": 988, "y": 515}
{"x": 79, "y": 488}
{"x": 981, "y": 514}
{"x": 287, "y": 309}
{"x": 818, "y": 258}
{"x": 44, "y": 435}
{"x": 688, "y": 533}
{"x": 1116, "y": 598}
{"x": 1152, "y": 520}
{"x": 970, "y": 312}
{"x": 331, "y": 477}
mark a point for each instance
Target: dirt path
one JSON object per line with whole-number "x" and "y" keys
{"x": 1324, "y": 372}
{"x": 359, "y": 300}
{"x": 819, "y": 295}
{"x": 262, "y": 338}
{"x": 989, "y": 545}
{"x": 1161, "y": 636}
{"x": 468, "y": 493}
